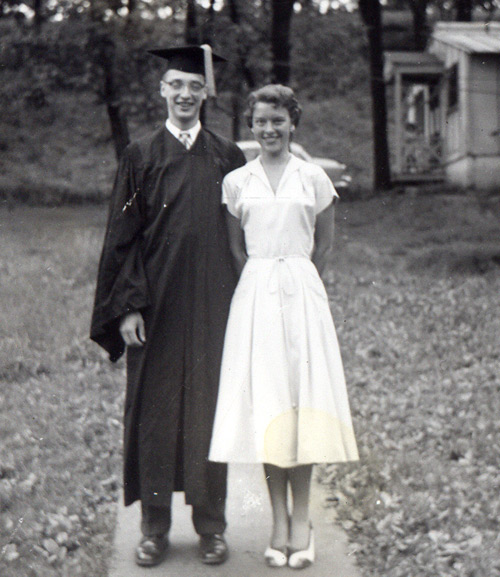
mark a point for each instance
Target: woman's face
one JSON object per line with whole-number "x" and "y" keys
{"x": 272, "y": 126}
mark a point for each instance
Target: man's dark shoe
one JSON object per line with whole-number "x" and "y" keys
{"x": 213, "y": 549}
{"x": 151, "y": 550}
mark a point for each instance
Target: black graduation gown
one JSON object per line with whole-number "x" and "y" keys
{"x": 166, "y": 254}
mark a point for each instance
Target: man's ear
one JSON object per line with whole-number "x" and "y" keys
{"x": 163, "y": 88}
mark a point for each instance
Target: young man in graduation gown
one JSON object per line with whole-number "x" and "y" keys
{"x": 163, "y": 292}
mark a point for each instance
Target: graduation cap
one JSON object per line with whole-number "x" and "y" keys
{"x": 195, "y": 59}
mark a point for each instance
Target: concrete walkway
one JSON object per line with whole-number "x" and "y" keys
{"x": 249, "y": 525}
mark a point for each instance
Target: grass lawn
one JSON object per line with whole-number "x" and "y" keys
{"x": 415, "y": 293}
{"x": 60, "y": 400}
{"x": 416, "y": 300}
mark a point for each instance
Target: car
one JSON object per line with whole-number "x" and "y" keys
{"x": 335, "y": 170}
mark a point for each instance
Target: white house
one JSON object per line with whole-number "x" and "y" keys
{"x": 447, "y": 106}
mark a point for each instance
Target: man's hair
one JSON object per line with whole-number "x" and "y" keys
{"x": 275, "y": 94}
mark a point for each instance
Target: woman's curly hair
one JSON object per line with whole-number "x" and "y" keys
{"x": 278, "y": 95}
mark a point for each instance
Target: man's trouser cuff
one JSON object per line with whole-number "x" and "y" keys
{"x": 207, "y": 520}
{"x": 155, "y": 520}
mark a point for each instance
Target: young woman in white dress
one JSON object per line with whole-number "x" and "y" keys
{"x": 282, "y": 397}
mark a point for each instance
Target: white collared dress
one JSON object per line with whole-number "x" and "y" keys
{"x": 282, "y": 396}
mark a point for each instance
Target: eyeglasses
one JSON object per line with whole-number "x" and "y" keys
{"x": 193, "y": 87}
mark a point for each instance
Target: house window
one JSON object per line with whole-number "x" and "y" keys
{"x": 453, "y": 87}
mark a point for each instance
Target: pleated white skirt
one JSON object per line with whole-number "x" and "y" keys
{"x": 282, "y": 397}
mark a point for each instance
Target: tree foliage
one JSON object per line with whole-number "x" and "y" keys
{"x": 329, "y": 53}
{"x": 101, "y": 46}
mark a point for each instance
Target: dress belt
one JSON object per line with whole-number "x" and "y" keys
{"x": 281, "y": 274}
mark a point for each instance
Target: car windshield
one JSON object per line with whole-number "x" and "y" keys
{"x": 299, "y": 151}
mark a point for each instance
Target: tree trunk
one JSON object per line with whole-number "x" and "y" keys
{"x": 208, "y": 25}
{"x": 420, "y": 26}
{"x": 464, "y": 10}
{"x": 191, "y": 35}
{"x": 119, "y": 126}
{"x": 38, "y": 10}
{"x": 282, "y": 11}
{"x": 371, "y": 14}
{"x": 243, "y": 71}
{"x": 234, "y": 14}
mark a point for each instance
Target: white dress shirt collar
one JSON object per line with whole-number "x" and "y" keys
{"x": 193, "y": 132}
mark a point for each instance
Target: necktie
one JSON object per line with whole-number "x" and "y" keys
{"x": 185, "y": 138}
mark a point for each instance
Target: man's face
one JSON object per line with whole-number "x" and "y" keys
{"x": 184, "y": 93}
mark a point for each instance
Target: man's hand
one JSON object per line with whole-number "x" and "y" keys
{"x": 132, "y": 330}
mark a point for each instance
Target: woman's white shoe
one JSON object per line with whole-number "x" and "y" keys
{"x": 275, "y": 557}
{"x": 304, "y": 558}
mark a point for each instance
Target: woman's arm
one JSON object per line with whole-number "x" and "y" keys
{"x": 323, "y": 238}
{"x": 236, "y": 241}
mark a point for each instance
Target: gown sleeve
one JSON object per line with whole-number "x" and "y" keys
{"x": 121, "y": 281}
{"x": 237, "y": 158}
{"x": 324, "y": 190}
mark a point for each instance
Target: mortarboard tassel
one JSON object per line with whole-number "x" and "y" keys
{"x": 209, "y": 70}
